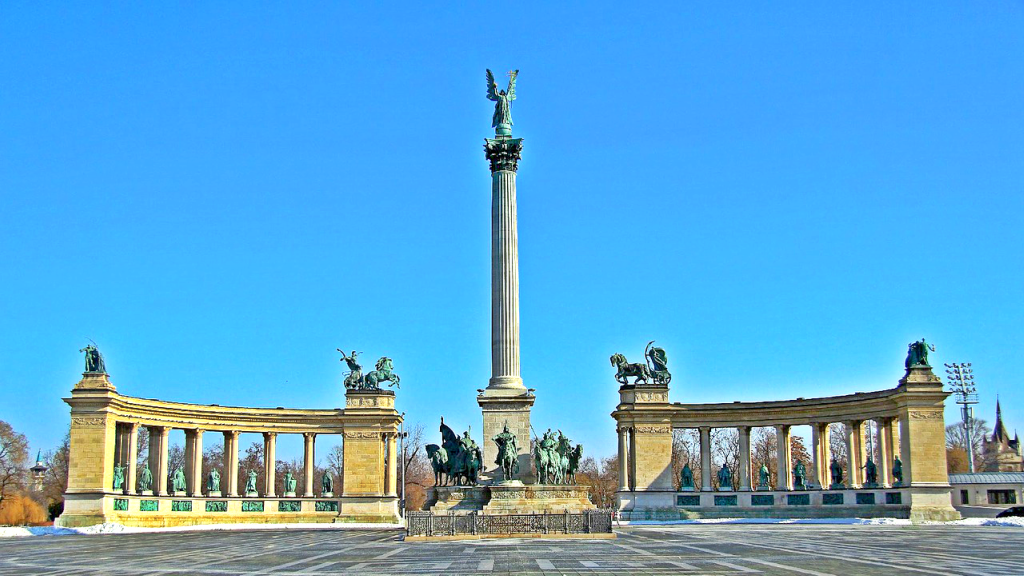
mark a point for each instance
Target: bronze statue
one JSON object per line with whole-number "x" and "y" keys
{"x": 837, "y": 475}
{"x": 686, "y": 477}
{"x": 94, "y": 360}
{"x": 870, "y": 474}
{"x": 897, "y": 471}
{"x": 178, "y": 481}
{"x": 763, "y": 477}
{"x": 354, "y": 378}
{"x": 725, "y": 478}
{"x": 327, "y": 483}
{"x": 118, "y": 477}
{"x": 508, "y": 453}
{"x": 250, "y": 483}
{"x": 456, "y": 461}
{"x": 213, "y": 482}
{"x": 145, "y": 480}
{"x": 799, "y": 475}
{"x": 917, "y": 353}
{"x": 624, "y": 370}
{"x": 502, "y": 119}
{"x": 657, "y": 363}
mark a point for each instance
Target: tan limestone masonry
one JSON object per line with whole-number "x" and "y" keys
{"x": 104, "y": 433}
{"x": 911, "y": 412}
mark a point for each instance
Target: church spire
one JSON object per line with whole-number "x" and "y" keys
{"x": 999, "y": 433}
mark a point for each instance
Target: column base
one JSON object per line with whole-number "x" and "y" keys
{"x": 511, "y": 406}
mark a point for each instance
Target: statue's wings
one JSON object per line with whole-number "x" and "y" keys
{"x": 511, "y": 92}
{"x": 492, "y": 87}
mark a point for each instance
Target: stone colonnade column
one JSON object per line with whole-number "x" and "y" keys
{"x": 308, "y": 440}
{"x": 632, "y": 458}
{"x": 885, "y": 452}
{"x": 623, "y": 460}
{"x": 231, "y": 462}
{"x": 196, "y": 464}
{"x": 158, "y": 458}
{"x": 783, "y": 453}
{"x": 270, "y": 463}
{"x": 854, "y": 442}
{"x": 705, "y": 458}
{"x": 744, "y": 458}
{"x": 392, "y": 487}
{"x": 133, "y": 457}
{"x": 823, "y": 453}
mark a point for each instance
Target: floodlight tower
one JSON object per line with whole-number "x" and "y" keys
{"x": 961, "y": 379}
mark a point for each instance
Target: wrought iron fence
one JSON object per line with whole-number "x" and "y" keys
{"x": 451, "y": 524}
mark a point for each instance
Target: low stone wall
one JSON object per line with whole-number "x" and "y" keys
{"x": 509, "y": 499}
{"x": 169, "y": 511}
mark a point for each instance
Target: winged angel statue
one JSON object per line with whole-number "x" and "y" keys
{"x": 502, "y": 120}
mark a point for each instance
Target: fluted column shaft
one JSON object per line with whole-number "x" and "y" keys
{"x": 133, "y": 456}
{"x": 309, "y": 440}
{"x": 705, "y": 459}
{"x": 231, "y": 462}
{"x": 744, "y": 459}
{"x": 784, "y": 458}
{"x": 270, "y": 463}
{"x": 623, "y": 461}
{"x": 504, "y": 282}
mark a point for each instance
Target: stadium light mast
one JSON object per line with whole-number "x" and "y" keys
{"x": 961, "y": 379}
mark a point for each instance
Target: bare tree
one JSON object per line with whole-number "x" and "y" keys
{"x": 55, "y": 482}
{"x": 253, "y": 461}
{"x": 725, "y": 450}
{"x": 837, "y": 442}
{"x": 956, "y": 440}
{"x": 602, "y": 481}
{"x": 685, "y": 450}
{"x": 764, "y": 452}
{"x": 13, "y": 460}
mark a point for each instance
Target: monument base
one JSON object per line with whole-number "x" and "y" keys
{"x": 501, "y": 406}
{"x": 510, "y": 498}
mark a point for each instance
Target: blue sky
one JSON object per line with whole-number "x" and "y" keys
{"x": 781, "y": 196}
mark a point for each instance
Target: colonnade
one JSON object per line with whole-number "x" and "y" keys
{"x": 885, "y": 442}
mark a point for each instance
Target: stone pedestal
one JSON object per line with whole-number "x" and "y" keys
{"x": 510, "y": 498}
{"x": 500, "y": 407}
{"x": 289, "y": 494}
{"x": 214, "y": 494}
{"x": 326, "y": 494}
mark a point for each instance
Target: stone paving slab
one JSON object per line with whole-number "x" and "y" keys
{"x": 816, "y": 550}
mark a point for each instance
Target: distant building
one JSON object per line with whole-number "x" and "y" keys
{"x": 987, "y": 488}
{"x": 38, "y": 473}
{"x": 1002, "y": 453}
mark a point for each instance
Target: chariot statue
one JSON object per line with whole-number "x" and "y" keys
{"x": 654, "y": 371}
{"x": 355, "y": 380}
{"x": 456, "y": 461}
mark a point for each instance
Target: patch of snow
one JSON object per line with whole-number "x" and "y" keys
{"x": 845, "y": 521}
{"x": 1016, "y": 522}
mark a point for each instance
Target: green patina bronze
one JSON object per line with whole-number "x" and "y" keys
{"x": 181, "y": 505}
{"x": 763, "y": 477}
{"x": 897, "y": 471}
{"x": 121, "y": 504}
{"x": 216, "y": 506}
{"x": 213, "y": 482}
{"x": 327, "y": 483}
{"x": 456, "y": 461}
{"x": 94, "y": 360}
{"x": 145, "y": 482}
{"x": 289, "y": 483}
{"x": 725, "y": 478}
{"x": 686, "y": 476}
{"x": 118, "y": 477}
{"x": 149, "y": 505}
{"x": 837, "y": 475}
{"x": 556, "y": 458}
{"x": 799, "y": 476}
{"x": 355, "y": 380}
{"x": 178, "y": 481}
{"x": 289, "y": 506}
{"x": 326, "y": 506}
{"x": 250, "y": 483}
{"x": 917, "y": 353}
{"x": 501, "y": 121}
{"x": 508, "y": 453}
{"x": 654, "y": 372}
{"x": 870, "y": 474}
{"x": 252, "y": 506}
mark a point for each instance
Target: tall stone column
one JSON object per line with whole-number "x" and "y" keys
{"x": 744, "y": 459}
{"x": 231, "y": 462}
{"x": 133, "y": 457}
{"x": 392, "y": 488}
{"x": 160, "y": 470}
{"x": 196, "y": 464}
{"x": 784, "y": 453}
{"x": 854, "y": 440}
{"x": 885, "y": 453}
{"x": 623, "y": 460}
{"x": 705, "y": 459}
{"x": 270, "y": 463}
{"x": 632, "y": 458}
{"x": 308, "y": 439}
{"x": 822, "y": 453}
{"x": 505, "y": 401}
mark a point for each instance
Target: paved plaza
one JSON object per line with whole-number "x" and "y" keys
{"x": 685, "y": 549}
